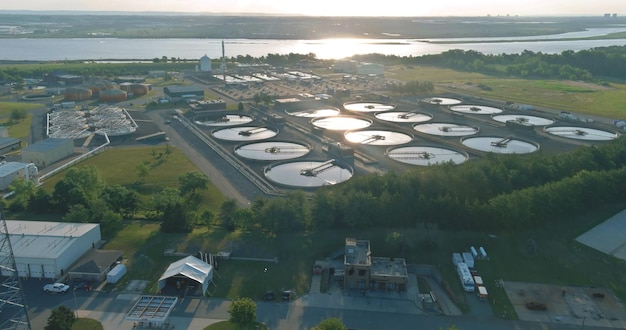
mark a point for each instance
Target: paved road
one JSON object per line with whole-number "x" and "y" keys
{"x": 304, "y": 313}
{"x": 228, "y": 180}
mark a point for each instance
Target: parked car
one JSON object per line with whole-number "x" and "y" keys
{"x": 287, "y": 295}
{"x": 269, "y": 295}
{"x": 56, "y": 287}
{"x": 536, "y": 306}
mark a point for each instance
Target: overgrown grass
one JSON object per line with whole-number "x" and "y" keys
{"x": 86, "y": 324}
{"x": 117, "y": 166}
{"x": 580, "y": 97}
{"x": 19, "y": 129}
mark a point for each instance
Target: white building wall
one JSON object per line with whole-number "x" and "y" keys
{"x": 51, "y": 268}
{"x": 205, "y": 64}
{"x": 50, "y": 155}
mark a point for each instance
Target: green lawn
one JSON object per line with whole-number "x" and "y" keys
{"x": 86, "y": 324}
{"x": 574, "y": 96}
{"x": 225, "y": 325}
{"x": 119, "y": 166}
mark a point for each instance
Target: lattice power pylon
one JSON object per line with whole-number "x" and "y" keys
{"x": 13, "y": 309}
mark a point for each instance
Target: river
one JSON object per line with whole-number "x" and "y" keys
{"x": 33, "y": 49}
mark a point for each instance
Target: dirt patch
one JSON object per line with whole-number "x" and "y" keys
{"x": 569, "y": 305}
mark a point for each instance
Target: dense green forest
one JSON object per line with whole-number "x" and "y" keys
{"x": 596, "y": 63}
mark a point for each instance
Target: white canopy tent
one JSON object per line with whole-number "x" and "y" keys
{"x": 192, "y": 268}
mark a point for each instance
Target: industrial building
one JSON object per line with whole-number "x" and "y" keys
{"x": 8, "y": 144}
{"x": 364, "y": 272}
{"x": 205, "y": 64}
{"x": 10, "y": 171}
{"x": 48, "y": 151}
{"x": 178, "y": 93}
{"x": 46, "y": 249}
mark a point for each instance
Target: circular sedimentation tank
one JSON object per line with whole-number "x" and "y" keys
{"x": 245, "y": 133}
{"x": 475, "y": 109}
{"x": 426, "y": 156}
{"x": 446, "y": 129}
{"x": 308, "y": 174}
{"x": 403, "y": 116}
{"x": 378, "y": 137}
{"x": 582, "y": 133}
{"x": 314, "y": 113}
{"x": 368, "y": 106}
{"x": 441, "y": 101}
{"x": 341, "y": 123}
{"x": 272, "y": 150}
{"x": 524, "y": 120}
{"x": 37, "y": 97}
{"x": 225, "y": 120}
{"x": 500, "y": 145}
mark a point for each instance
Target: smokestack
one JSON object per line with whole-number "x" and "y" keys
{"x": 223, "y": 62}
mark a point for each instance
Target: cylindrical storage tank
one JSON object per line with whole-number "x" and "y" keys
{"x": 101, "y": 85}
{"x": 112, "y": 95}
{"x": 77, "y": 94}
{"x": 139, "y": 89}
{"x": 126, "y": 87}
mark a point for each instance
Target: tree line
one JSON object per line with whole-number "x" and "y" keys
{"x": 499, "y": 192}
{"x": 584, "y": 65}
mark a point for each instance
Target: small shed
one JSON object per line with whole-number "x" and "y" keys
{"x": 189, "y": 267}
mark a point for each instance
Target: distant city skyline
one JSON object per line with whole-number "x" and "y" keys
{"x": 336, "y": 8}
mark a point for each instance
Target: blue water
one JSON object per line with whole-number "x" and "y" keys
{"x": 112, "y": 48}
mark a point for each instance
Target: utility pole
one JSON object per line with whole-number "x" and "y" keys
{"x": 14, "y": 314}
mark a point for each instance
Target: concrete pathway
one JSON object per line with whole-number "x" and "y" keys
{"x": 447, "y": 305}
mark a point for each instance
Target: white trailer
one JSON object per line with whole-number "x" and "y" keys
{"x": 465, "y": 277}
{"x": 468, "y": 259}
{"x": 483, "y": 253}
{"x": 474, "y": 252}
{"x": 456, "y": 258}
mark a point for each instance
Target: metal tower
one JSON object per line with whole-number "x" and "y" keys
{"x": 13, "y": 310}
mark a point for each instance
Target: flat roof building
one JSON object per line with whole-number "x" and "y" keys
{"x": 364, "y": 272}
{"x": 48, "y": 151}
{"x": 10, "y": 171}
{"x": 45, "y": 249}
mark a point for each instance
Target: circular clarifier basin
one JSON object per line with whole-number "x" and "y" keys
{"x": 404, "y": 116}
{"x": 377, "y": 137}
{"x": 226, "y": 120}
{"x": 308, "y": 174}
{"x": 441, "y": 101}
{"x": 524, "y": 120}
{"x": 500, "y": 145}
{"x": 368, "y": 106}
{"x": 245, "y": 133}
{"x": 272, "y": 150}
{"x": 314, "y": 113}
{"x": 581, "y": 133}
{"x": 341, "y": 123}
{"x": 475, "y": 109}
{"x": 446, "y": 129}
{"x": 426, "y": 156}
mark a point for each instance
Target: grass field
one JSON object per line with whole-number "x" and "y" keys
{"x": 21, "y": 129}
{"x": 574, "y": 96}
{"x": 117, "y": 166}
{"x": 86, "y": 324}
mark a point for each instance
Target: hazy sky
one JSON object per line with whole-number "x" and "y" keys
{"x": 338, "y": 7}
